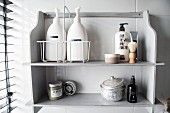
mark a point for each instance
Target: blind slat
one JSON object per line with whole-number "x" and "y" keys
{"x": 7, "y": 61}
{"x": 7, "y": 69}
{"x": 4, "y": 105}
{"x": 7, "y": 52}
{"x": 7, "y": 87}
{"x": 7, "y": 78}
{"x": 4, "y": 43}
{"x": 10, "y": 110}
{"x": 7, "y": 18}
{"x": 3, "y": 97}
{"x": 7, "y": 2}
{"x": 8, "y": 27}
{"x": 7, "y": 10}
{"x": 7, "y": 35}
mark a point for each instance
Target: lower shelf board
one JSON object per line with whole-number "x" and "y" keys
{"x": 93, "y": 63}
{"x": 90, "y": 99}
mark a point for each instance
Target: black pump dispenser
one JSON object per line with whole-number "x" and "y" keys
{"x": 132, "y": 80}
{"x": 122, "y": 26}
{"x": 132, "y": 91}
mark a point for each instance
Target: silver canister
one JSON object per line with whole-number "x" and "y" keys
{"x": 55, "y": 90}
{"x": 113, "y": 89}
{"x": 70, "y": 87}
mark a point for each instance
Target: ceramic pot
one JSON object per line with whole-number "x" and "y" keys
{"x": 113, "y": 89}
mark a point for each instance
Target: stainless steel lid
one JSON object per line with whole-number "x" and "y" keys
{"x": 113, "y": 83}
{"x": 55, "y": 84}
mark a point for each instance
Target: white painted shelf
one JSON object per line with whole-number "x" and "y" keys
{"x": 42, "y": 73}
{"x": 92, "y": 99}
{"x": 93, "y": 63}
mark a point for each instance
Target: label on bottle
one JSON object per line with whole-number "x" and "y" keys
{"x": 53, "y": 36}
{"x": 122, "y": 57}
{"x": 132, "y": 97}
{"x": 121, "y": 45}
{"x": 123, "y": 42}
{"x": 56, "y": 93}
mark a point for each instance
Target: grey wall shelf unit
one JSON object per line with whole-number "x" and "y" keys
{"x": 88, "y": 91}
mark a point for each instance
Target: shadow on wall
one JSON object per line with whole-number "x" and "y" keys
{"x": 161, "y": 25}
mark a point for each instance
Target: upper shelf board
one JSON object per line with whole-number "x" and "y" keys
{"x": 99, "y": 14}
{"x": 92, "y": 99}
{"x": 93, "y": 63}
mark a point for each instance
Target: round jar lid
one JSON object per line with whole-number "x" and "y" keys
{"x": 112, "y": 55}
{"x": 70, "y": 87}
{"x": 113, "y": 83}
{"x": 55, "y": 84}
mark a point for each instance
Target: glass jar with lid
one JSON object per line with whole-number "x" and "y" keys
{"x": 55, "y": 90}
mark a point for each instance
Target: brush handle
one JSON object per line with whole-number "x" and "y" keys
{"x": 168, "y": 105}
{"x": 132, "y": 58}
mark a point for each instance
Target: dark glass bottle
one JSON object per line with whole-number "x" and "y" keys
{"x": 132, "y": 91}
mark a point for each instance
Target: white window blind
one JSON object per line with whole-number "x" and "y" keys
{"x": 16, "y": 23}
{"x": 7, "y": 54}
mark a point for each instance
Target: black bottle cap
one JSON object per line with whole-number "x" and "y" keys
{"x": 122, "y": 26}
{"x": 132, "y": 79}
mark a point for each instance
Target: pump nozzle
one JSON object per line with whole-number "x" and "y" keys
{"x": 77, "y": 10}
{"x": 133, "y": 79}
{"x": 122, "y": 26}
{"x": 57, "y": 12}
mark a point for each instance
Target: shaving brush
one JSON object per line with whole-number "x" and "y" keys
{"x": 132, "y": 55}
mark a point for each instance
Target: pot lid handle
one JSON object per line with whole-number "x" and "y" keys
{"x": 112, "y": 77}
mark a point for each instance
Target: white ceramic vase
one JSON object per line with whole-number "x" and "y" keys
{"x": 55, "y": 49}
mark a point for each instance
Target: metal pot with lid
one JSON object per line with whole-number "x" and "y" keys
{"x": 113, "y": 89}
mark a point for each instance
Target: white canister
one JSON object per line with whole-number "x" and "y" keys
{"x": 55, "y": 48}
{"x": 77, "y": 49}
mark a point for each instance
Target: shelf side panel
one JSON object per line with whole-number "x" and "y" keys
{"x": 38, "y": 82}
{"x": 38, "y": 33}
{"x": 147, "y": 39}
{"x": 148, "y": 82}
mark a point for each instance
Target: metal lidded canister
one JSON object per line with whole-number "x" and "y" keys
{"x": 70, "y": 87}
{"x": 55, "y": 90}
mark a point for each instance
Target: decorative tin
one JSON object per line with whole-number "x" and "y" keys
{"x": 55, "y": 90}
{"x": 70, "y": 87}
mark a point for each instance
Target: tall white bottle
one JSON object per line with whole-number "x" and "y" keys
{"x": 76, "y": 50}
{"x": 55, "y": 51}
{"x": 121, "y": 43}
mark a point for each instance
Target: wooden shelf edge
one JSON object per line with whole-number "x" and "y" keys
{"x": 93, "y": 63}
{"x": 91, "y": 100}
{"x": 160, "y": 63}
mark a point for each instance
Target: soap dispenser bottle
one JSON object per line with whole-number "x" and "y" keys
{"x": 121, "y": 43}
{"x": 76, "y": 49}
{"x": 132, "y": 91}
{"x": 55, "y": 49}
